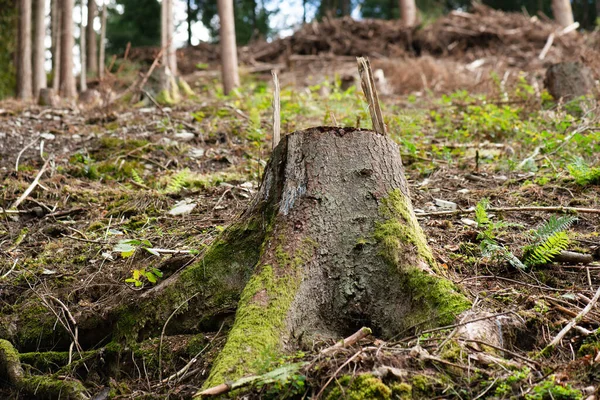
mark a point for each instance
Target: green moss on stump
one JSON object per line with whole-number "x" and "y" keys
{"x": 359, "y": 388}
{"x": 435, "y": 301}
{"x": 255, "y": 338}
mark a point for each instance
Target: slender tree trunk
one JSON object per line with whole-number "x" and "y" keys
{"x": 229, "y": 62}
{"x": 170, "y": 38}
{"x": 563, "y": 14}
{"x": 82, "y": 51}
{"x": 189, "y": 22}
{"x": 102, "y": 44}
{"x": 24, "y": 89}
{"x": 56, "y": 50}
{"x": 91, "y": 37}
{"x": 304, "y": 11}
{"x": 67, "y": 88}
{"x": 39, "y": 48}
{"x": 408, "y": 13}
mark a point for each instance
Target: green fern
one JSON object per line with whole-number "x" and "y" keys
{"x": 481, "y": 215}
{"x": 583, "y": 173}
{"x": 178, "y": 181}
{"x": 552, "y": 226}
{"x": 137, "y": 178}
{"x": 546, "y": 251}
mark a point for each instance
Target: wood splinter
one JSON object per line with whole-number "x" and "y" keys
{"x": 276, "y": 110}
{"x": 368, "y": 86}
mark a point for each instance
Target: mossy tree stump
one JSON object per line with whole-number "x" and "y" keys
{"x": 343, "y": 249}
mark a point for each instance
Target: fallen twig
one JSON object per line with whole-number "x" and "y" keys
{"x": 572, "y": 323}
{"x": 33, "y": 184}
{"x": 515, "y": 209}
{"x": 349, "y": 341}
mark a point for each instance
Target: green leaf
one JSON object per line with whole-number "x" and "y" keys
{"x": 157, "y": 272}
{"x": 151, "y": 278}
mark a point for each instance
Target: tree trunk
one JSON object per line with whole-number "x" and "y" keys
{"x": 229, "y": 62}
{"x": 91, "y": 39}
{"x": 563, "y": 14}
{"x": 67, "y": 42}
{"x": 82, "y": 52}
{"x": 343, "y": 250}
{"x": 171, "y": 50}
{"x": 189, "y": 23}
{"x": 345, "y": 7}
{"x": 408, "y": 13}
{"x": 102, "y": 44}
{"x": 39, "y": 48}
{"x": 56, "y": 49}
{"x": 24, "y": 90}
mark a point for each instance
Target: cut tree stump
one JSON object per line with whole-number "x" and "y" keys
{"x": 343, "y": 249}
{"x": 567, "y": 80}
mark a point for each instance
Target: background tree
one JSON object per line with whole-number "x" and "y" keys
{"x": 92, "y": 39}
{"x": 24, "y": 89}
{"x": 56, "y": 47}
{"x": 8, "y": 45}
{"x": 251, "y": 19}
{"x": 563, "y": 14}
{"x": 82, "y": 51}
{"x": 138, "y": 24}
{"x": 103, "y": 23}
{"x": 229, "y": 64}
{"x": 67, "y": 42}
{"x": 408, "y": 12}
{"x": 39, "y": 48}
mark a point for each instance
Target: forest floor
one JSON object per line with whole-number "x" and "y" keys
{"x": 129, "y": 195}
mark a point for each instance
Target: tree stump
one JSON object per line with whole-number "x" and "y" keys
{"x": 568, "y": 80}
{"x": 343, "y": 249}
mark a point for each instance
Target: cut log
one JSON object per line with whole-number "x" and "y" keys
{"x": 343, "y": 250}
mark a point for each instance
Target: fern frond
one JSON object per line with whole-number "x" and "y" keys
{"x": 136, "y": 177}
{"x": 583, "y": 173}
{"x": 547, "y": 250}
{"x": 481, "y": 216}
{"x": 177, "y": 181}
{"x": 553, "y": 226}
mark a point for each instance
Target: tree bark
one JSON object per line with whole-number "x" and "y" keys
{"x": 39, "y": 48}
{"x": 563, "y": 14}
{"x": 229, "y": 61}
{"x": 171, "y": 50}
{"x": 91, "y": 39}
{"x": 343, "y": 250}
{"x": 189, "y": 23}
{"x": 56, "y": 48}
{"x": 67, "y": 42}
{"x": 24, "y": 88}
{"x": 102, "y": 44}
{"x": 408, "y": 13}
{"x": 82, "y": 52}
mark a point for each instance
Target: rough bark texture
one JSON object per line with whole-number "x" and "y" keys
{"x": 229, "y": 62}
{"x": 563, "y": 13}
{"x": 91, "y": 39}
{"x": 56, "y": 23}
{"x": 67, "y": 42}
{"x": 24, "y": 89}
{"x": 408, "y": 12}
{"x": 39, "y": 48}
{"x": 102, "y": 43}
{"x": 567, "y": 80}
{"x": 82, "y": 53}
{"x": 343, "y": 250}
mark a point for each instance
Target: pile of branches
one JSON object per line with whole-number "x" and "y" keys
{"x": 515, "y": 37}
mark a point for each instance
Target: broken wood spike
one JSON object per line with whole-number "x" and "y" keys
{"x": 368, "y": 86}
{"x": 276, "y": 110}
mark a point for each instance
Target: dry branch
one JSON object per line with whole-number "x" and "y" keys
{"x": 368, "y": 86}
